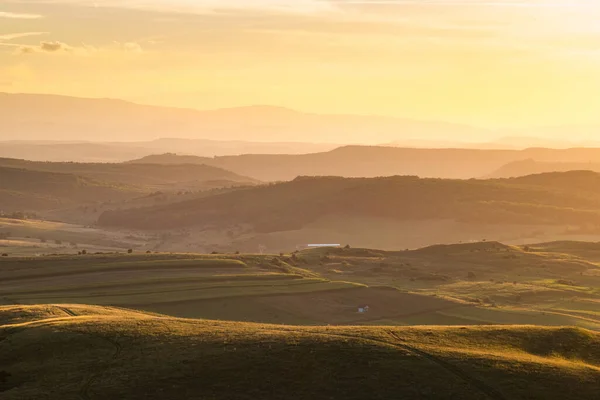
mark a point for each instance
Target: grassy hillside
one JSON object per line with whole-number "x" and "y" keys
{"x": 551, "y": 199}
{"x": 546, "y": 284}
{"x": 26, "y": 190}
{"x": 65, "y": 351}
{"x": 32, "y": 237}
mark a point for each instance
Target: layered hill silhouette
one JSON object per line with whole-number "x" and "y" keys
{"x": 546, "y": 199}
{"x": 374, "y": 161}
{"x": 80, "y": 151}
{"x": 36, "y": 186}
{"x": 90, "y": 351}
{"x": 149, "y": 175}
{"x": 530, "y": 167}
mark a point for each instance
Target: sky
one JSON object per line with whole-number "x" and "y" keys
{"x": 498, "y": 63}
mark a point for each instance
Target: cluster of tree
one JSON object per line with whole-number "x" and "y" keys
{"x": 20, "y": 215}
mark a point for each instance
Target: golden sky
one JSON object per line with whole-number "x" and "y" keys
{"x": 491, "y": 63}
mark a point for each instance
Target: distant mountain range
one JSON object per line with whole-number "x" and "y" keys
{"x": 52, "y": 117}
{"x": 44, "y": 117}
{"x": 59, "y": 151}
{"x": 504, "y": 143}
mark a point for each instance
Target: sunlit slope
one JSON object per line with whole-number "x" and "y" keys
{"x": 36, "y": 237}
{"x": 64, "y": 352}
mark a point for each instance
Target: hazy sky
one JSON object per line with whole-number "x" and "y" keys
{"x": 493, "y": 63}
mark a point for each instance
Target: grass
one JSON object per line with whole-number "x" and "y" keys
{"x": 177, "y": 293}
{"x": 171, "y": 283}
{"x": 470, "y": 283}
{"x": 89, "y": 352}
{"x": 19, "y": 272}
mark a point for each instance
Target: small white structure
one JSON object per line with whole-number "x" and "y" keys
{"x": 364, "y": 309}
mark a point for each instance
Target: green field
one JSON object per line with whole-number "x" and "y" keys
{"x": 463, "y": 284}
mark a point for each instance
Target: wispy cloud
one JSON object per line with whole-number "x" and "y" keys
{"x": 5, "y": 14}
{"x": 12, "y": 36}
{"x": 58, "y": 47}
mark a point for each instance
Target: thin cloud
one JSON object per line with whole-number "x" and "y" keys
{"x": 4, "y": 14}
{"x": 12, "y": 36}
{"x": 57, "y": 47}
{"x": 132, "y": 47}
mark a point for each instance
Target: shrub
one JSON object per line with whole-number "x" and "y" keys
{"x": 148, "y": 252}
{"x": 566, "y": 282}
{"x": 4, "y": 255}
{"x": 129, "y": 251}
{"x": 84, "y": 252}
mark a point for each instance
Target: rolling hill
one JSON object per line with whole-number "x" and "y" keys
{"x": 375, "y": 161}
{"x": 32, "y": 190}
{"x": 70, "y": 351}
{"x": 547, "y": 199}
{"x": 144, "y": 176}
